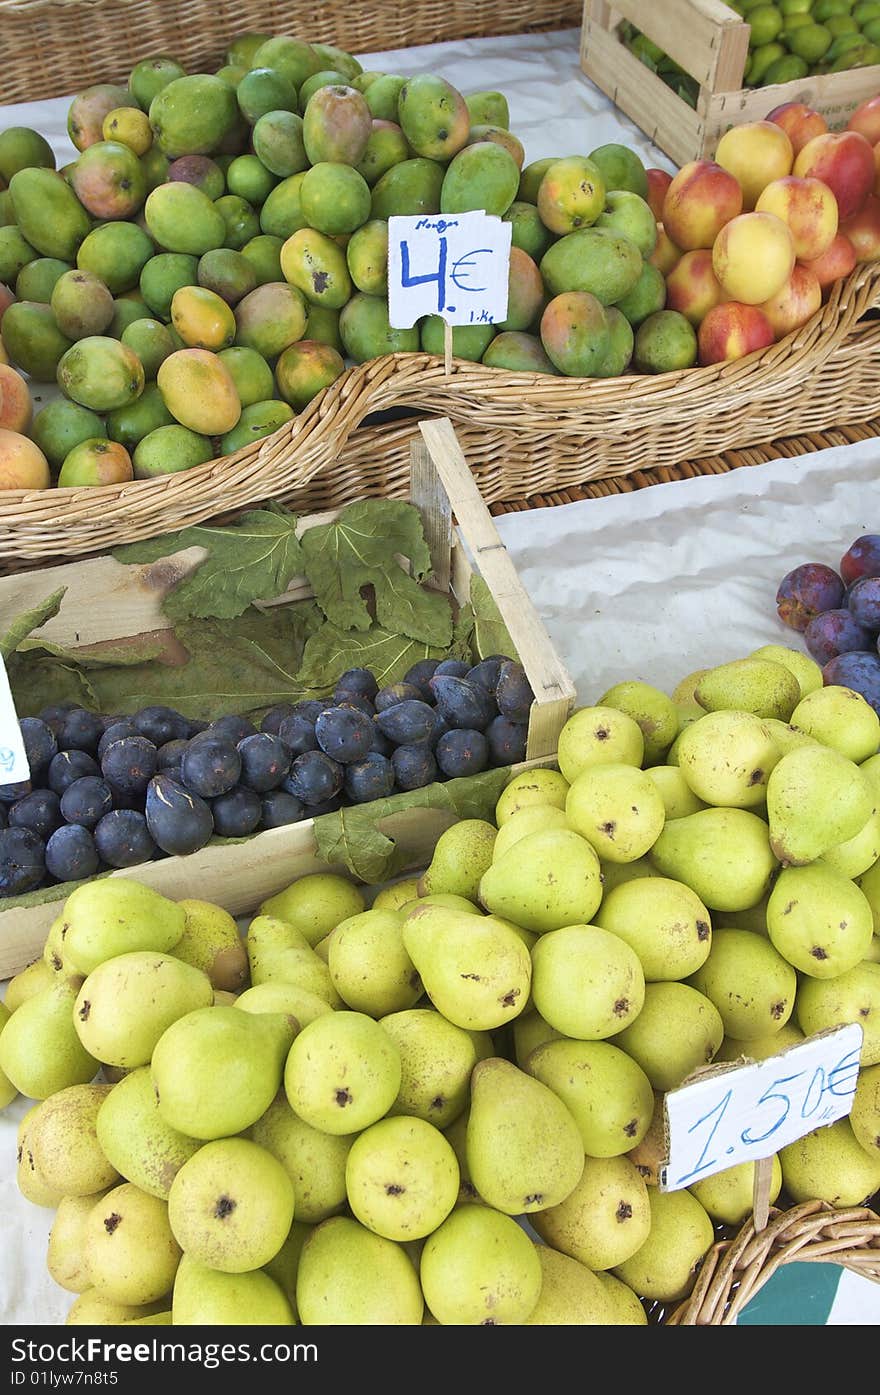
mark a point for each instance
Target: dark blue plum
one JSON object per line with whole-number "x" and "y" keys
{"x": 369, "y": 779}
{"x": 507, "y": 741}
{"x": 280, "y": 808}
{"x": 834, "y": 632}
{"x": 71, "y": 855}
{"x": 863, "y": 603}
{"x": 129, "y": 764}
{"x": 486, "y": 673}
{"x": 314, "y": 778}
{"x": 22, "y": 861}
{"x": 463, "y": 704}
{"x": 344, "y": 733}
{"x": 396, "y": 692}
{"x": 862, "y": 558}
{"x": 169, "y": 756}
{"x": 86, "y": 801}
{"x": 806, "y": 591}
{"x": 407, "y": 722}
{"x": 265, "y": 760}
{"x": 311, "y": 708}
{"x": 40, "y": 745}
{"x": 462, "y": 752}
{"x": 451, "y": 668}
{"x": 298, "y": 733}
{"x": 68, "y": 766}
{"x": 10, "y": 794}
{"x": 179, "y": 821}
{"x": 160, "y": 724}
{"x": 513, "y": 692}
{"x": 80, "y": 731}
{"x": 122, "y": 839}
{"x": 40, "y": 811}
{"x": 272, "y": 720}
{"x": 117, "y": 731}
{"x": 420, "y": 675}
{"x": 237, "y": 813}
{"x": 4, "y": 817}
{"x": 54, "y": 714}
{"x": 232, "y": 729}
{"x": 859, "y": 671}
{"x": 380, "y": 743}
{"x": 210, "y": 767}
{"x": 414, "y": 766}
{"x": 356, "y": 702}
{"x": 326, "y": 806}
{"x": 358, "y": 682}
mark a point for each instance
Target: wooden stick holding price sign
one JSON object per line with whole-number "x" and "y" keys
{"x": 453, "y": 265}
{"x": 726, "y": 1115}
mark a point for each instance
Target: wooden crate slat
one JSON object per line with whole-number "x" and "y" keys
{"x": 704, "y": 37}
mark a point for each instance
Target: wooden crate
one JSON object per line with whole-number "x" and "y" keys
{"x": 106, "y": 600}
{"x": 710, "y": 41}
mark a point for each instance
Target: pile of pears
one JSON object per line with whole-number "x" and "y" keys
{"x": 442, "y": 1101}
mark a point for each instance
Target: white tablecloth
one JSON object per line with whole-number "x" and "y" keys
{"x": 649, "y": 585}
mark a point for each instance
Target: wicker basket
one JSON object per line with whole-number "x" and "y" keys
{"x": 812, "y": 1232}
{"x": 524, "y": 433}
{"x": 61, "y": 46}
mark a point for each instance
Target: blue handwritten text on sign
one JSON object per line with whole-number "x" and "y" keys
{"x": 13, "y": 760}
{"x": 455, "y": 266}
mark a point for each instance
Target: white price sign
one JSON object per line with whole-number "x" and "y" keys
{"x": 13, "y": 761}
{"x": 746, "y": 1113}
{"x": 454, "y": 265}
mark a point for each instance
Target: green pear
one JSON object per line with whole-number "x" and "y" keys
{"x": 598, "y": 736}
{"x": 681, "y": 1234}
{"x": 479, "y": 1268}
{"x": 350, "y": 1277}
{"x": 40, "y": 1052}
{"x": 759, "y": 1048}
{"x": 315, "y": 904}
{"x": 618, "y": 809}
{"x": 806, "y": 670}
{"x": 677, "y": 1031}
{"x": 819, "y": 921}
{"x": 393, "y": 897}
{"x": 830, "y": 1165}
{"x": 840, "y": 718}
{"x": 163, "y": 1319}
{"x": 754, "y": 918}
{"x": 524, "y": 1148}
{"x": 864, "y": 1117}
{"x": 604, "y": 1220}
{"x": 342, "y": 1073}
{"x": 436, "y": 1060}
{"x": 728, "y": 1196}
{"x": 285, "y": 998}
{"x": 614, "y": 874}
{"x": 313, "y": 1160}
{"x": 476, "y": 972}
{"x": 126, "y": 1003}
{"x": 663, "y": 921}
{"x": 442, "y": 898}
{"x": 279, "y": 953}
{"x": 786, "y": 737}
{"x": 857, "y": 854}
{"x": 116, "y": 915}
{"x": 726, "y": 757}
{"x": 135, "y": 1138}
{"x": 530, "y": 787}
{"x": 92, "y": 1309}
{"x": 545, "y": 881}
{"x": 684, "y": 692}
{"x": 678, "y": 798}
{"x": 869, "y": 885}
{"x": 216, "y": 1070}
{"x": 723, "y": 855}
{"x": 461, "y": 855}
{"x": 30, "y": 1181}
{"x": 8, "y": 1091}
{"x": 853, "y": 996}
{"x": 369, "y": 967}
{"x": 749, "y": 982}
{"x": 529, "y": 1032}
{"x": 63, "y": 1139}
{"x": 211, "y": 942}
{"x": 626, "y": 1309}
{"x": 586, "y": 982}
{"x": 534, "y": 818}
{"x": 231, "y": 1205}
{"x": 66, "y": 1253}
{"x": 284, "y": 1266}
{"x": 760, "y": 686}
{"x": 655, "y": 713}
{"x": 649, "y": 1156}
{"x": 27, "y": 983}
{"x": 570, "y": 1294}
{"x": 402, "y": 1178}
{"x": 205, "y": 1297}
{"x": 53, "y": 949}
{"x": 130, "y": 1253}
{"x": 816, "y": 798}
{"x": 607, "y": 1092}
{"x": 873, "y": 954}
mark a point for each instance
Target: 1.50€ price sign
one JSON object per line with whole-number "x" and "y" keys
{"x": 453, "y": 265}
{"x": 749, "y": 1112}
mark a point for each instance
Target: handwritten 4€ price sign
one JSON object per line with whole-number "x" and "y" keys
{"x": 746, "y": 1113}
{"x": 452, "y": 265}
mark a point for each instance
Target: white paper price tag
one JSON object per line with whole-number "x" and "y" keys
{"x": 749, "y": 1112}
{"x": 454, "y": 265}
{"x": 13, "y": 761}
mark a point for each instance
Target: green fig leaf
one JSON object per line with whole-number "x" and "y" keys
{"x": 331, "y": 650}
{"x": 30, "y": 620}
{"x": 491, "y": 635}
